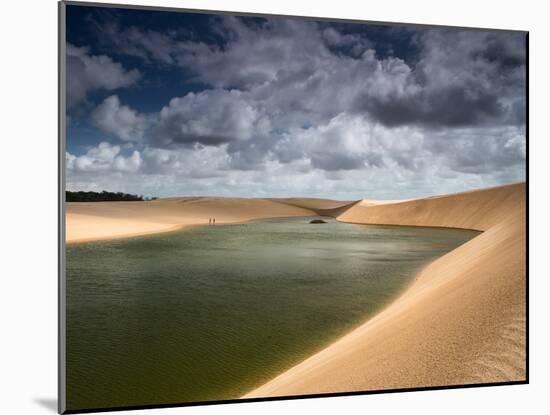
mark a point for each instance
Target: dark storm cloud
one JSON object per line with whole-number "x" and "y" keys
{"x": 507, "y": 51}
{"x": 450, "y": 107}
{"x": 461, "y": 79}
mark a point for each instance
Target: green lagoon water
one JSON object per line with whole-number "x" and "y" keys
{"x": 209, "y": 313}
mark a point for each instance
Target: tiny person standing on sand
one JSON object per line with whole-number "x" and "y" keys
{"x": 209, "y": 221}
{"x": 214, "y": 221}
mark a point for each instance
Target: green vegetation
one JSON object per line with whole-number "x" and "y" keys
{"x": 104, "y": 196}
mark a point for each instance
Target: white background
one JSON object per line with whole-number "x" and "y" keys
{"x": 28, "y": 221}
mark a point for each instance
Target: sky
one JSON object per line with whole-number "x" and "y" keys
{"x": 179, "y": 104}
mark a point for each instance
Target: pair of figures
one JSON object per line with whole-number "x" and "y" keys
{"x": 211, "y": 221}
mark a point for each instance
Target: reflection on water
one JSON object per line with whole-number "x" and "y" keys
{"x": 209, "y": 313}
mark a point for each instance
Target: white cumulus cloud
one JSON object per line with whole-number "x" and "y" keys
{"x": 119, "y": 120}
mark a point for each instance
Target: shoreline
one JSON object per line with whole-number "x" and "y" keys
{"x": 408, "y": 289}
{"x": 177, "y": 228}
{"x": 127, "y": 236}
{"x": 413, "y": 226}
{"x": 93, "y": 221}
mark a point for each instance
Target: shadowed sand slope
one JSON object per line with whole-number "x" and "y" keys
{"x": 313, "y": 203}
{"x": 322, "y": 207}
{"x": 106, "y": 220}
{"x": 461, "y": 321}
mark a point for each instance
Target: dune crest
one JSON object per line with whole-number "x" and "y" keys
{"x": 461, "y": 321}
{"x": 476, "y": 209}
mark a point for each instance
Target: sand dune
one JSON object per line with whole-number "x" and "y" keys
{"x": 478, "y": 209}
{"x": 107, "y": 220}
{"x": 461, "y": 321}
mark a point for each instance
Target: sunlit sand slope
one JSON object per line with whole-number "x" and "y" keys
{"x": 107, "y": 220}
{"x": 461, "y": 321}
{"x": 478, "y": 209}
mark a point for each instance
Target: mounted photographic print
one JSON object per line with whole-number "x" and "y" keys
{"x": 261, "y": 207}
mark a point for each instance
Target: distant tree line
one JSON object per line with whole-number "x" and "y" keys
{"x": 104, "y": 196}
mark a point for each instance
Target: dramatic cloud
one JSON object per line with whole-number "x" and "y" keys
{"x": 119, "y": 120}
{"x": 264, "y": 48}
{"x": 211, "y": 117}
{"x": 345, "y": 143}
{"x": 465, "y": 151}
{"x": 286, "y": 106}
{"x": 461, "y": 79}
{"x": 103, "y": 158}
{"x": 87, "y": 73}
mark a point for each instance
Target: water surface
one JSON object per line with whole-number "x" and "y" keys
{"x": 209, "y": 313}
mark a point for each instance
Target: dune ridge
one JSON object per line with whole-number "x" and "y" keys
{"x": 476, "y": 209}
{"x": 461, "y": 321}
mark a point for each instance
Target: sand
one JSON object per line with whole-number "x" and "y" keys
{"x": 478, "y": 209}
{"x": 108, "y": 220}
{"x": 321, "y": 207}
{"x": 461, "y": 321}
